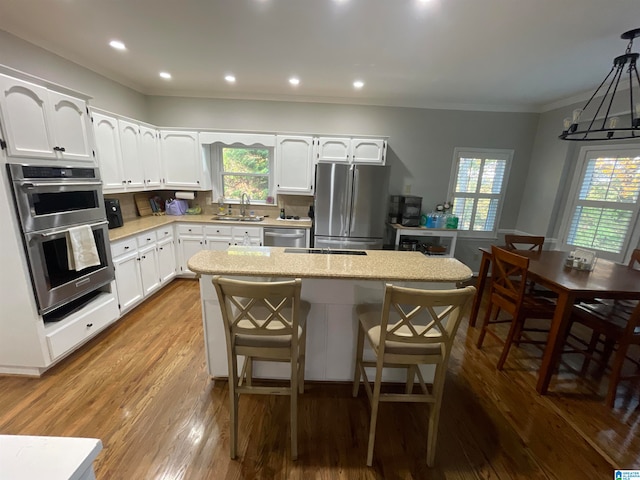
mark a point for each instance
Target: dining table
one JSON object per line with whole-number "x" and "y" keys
{"x": 607, "y": 280}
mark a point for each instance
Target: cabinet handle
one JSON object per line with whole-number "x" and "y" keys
{"x": 59, "y": 149}
{"x": 148, "y": 239}
{"x": 198, "y": 182}
{"x": 144, "y": 256}
{"x": 126, "y": 248}
{"x": 89, "y": 325}
{"x": 124, "y": 182}
{"x": 128, "y": 181}
{"x": 160, "y": 248}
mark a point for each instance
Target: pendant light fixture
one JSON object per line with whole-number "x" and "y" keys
{"x": 604, "y": 126}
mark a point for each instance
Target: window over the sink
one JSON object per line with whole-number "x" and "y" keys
{"x": 478, "y": 182}
{"x": 242, "y": 169}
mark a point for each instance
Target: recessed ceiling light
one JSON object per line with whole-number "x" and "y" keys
{"x": 294, "y": 81}
{"x": 165, "y": 75}
{"x": 230, "y": 78}
{"x": 117, "y": 44}
{"x": 358, "y": 84}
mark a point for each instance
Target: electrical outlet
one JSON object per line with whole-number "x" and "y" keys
{"x": 407, "y": 189}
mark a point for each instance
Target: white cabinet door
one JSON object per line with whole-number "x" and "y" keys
{"x": 149, "y": 272}
{"x": 24, "y": 115}
{"x": 336, "y": 150}
{"x": 181, "y": 159}
{"x": 130, "y": 154}
{"x": 368, "y": 150}
{"x": 188, "y": 246}
{"x": 166, "y": 260}
{"x": 128, "y": 281}
{"x": 70, "y": 122}
{"x": 150, "y": 156}
{"x": 107, "y": 137}
{"x": 294, "y": 164}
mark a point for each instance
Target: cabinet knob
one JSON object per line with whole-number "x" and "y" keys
{"x": 126, "y": 248}
{"x": 148, "y": 239}
{"x": 128, "y": 181}
{"x": 89, "y": 325}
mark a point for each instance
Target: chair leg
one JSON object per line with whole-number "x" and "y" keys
{"x": 411, "y": 375}
{"x": 434, "y": 414}
{"x": 515, "y": 327}
{"x": 589, "y": 353}
{"x": 483, "y": 327}
{"x": 358, "y": 360}
{"x": 616, "y": 369}
{"x": 375, "y": 401}
{"x": 294, "y": 409}
{"x": 249, "y": 376}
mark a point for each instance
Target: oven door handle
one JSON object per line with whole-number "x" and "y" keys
{"x": 50, "y": 234}
{"x": 31, "y": 185}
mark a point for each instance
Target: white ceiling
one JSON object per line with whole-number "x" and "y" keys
{"x": 518, "y": 55}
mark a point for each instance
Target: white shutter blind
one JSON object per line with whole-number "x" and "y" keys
{"x": 606, "y": 204}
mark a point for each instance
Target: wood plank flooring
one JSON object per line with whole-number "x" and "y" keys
{"x": 142, "y": 388}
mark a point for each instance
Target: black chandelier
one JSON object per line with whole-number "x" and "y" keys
{"x": 602, "y": 125}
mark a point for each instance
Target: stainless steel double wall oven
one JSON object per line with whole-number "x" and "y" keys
{"x": 50, "y": 200}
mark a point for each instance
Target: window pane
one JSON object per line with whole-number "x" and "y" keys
{"x": 600, "y": 228}
{"x": 257, "y": 187}
{"x": 492, "y": 176}
{"x": 245, "y": 160}
{"x": 485, "y": 217}
{"x": 468, "y": 172}
{"x": 463, "y": 209}
{"x": 612, "y": 180}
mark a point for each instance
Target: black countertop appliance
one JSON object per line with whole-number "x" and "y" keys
{"x": 114, "y": 214}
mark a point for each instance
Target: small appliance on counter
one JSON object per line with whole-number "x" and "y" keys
{"x": 114, "y": 213}
{"x": 410, "y": 211}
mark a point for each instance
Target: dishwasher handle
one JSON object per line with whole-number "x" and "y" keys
{"x": 284, "y": 235}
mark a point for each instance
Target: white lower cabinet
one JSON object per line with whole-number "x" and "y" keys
{"x": 143, "y": 264}
{"x": 128, "y": 280}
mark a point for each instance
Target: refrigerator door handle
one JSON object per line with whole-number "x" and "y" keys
{"x": 348, "y": 206}
{"x": 354, "y": 196}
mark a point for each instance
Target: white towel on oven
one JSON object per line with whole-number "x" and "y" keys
{"x": 81, "y": 248}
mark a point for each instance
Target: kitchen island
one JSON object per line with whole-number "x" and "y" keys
{"x": 333, "y": 282}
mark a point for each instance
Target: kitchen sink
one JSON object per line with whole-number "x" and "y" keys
{"x": 237, "y": 218}
{"x": 324, "y": 251}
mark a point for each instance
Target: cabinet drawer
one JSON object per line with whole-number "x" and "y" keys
{"x": 146, "y": 238}
{"x": 87, "y": 324}
{"x": 164, "y": 232}
{"x": 218, "y": 230}
{"x": 254, "y": 232}
{"x": 190, "y": 229}
{"x": 121, "y": 247}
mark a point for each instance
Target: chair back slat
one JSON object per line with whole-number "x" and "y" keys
{"x": 509, "y": 275}
{"x": 422, "y": 316}
{"x": 524, "y": 242}
{"x": 259, "y": 308}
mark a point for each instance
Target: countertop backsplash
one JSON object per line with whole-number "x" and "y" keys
{"x": 292, "y": 204}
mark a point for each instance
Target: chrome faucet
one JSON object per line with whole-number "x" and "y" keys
{"x": 244, "y": 202}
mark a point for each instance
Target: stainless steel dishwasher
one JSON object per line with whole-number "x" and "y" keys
{"x": 285, "y": 237}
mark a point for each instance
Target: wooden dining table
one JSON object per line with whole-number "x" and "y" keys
{"x": 547, "y": 268}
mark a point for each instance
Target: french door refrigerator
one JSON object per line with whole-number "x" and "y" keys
{"x": 350, "y": 206}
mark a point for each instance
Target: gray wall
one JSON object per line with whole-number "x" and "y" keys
{"x": 105, "y": 93}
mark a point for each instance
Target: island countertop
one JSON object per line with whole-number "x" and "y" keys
{"x": 375, "y": 265}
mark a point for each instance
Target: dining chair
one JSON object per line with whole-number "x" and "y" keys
{"x": 509, "y": 292}
{"x": 524, "y": 242}
{"x": 263, "y": 321}
{"x": 618, "y": 321}
{"x": 412, "y": 327}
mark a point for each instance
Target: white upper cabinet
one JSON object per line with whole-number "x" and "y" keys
{"x": 181, "y": 159}
{"x": 294, "y": 164}
{"x": 132, "y": 166}
{"x": 70, "y": 122}
{"x": 105, "y": 129}
{"x": 352, "y": 150}
{"x": 41, "y": 123}
{"x": 367, "y": 150}
{"x": 334, "y": 149}
{"x": 150, "y": 156}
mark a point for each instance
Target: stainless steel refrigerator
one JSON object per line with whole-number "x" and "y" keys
{"x": 350, "y": 206}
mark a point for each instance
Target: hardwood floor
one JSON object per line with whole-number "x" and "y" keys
{"x": 142, "y": 388}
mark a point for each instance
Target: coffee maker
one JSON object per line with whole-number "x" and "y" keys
{"x": 114, "y": 214}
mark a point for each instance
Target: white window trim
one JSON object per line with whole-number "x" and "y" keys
{"x": 467, "y": 152}
{"x": 633, "y": 238}
{"x": 216, "y": 170}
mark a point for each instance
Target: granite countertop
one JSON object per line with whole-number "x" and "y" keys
{"x": 375, "y": 265}
{"x": 141, "y": 224}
